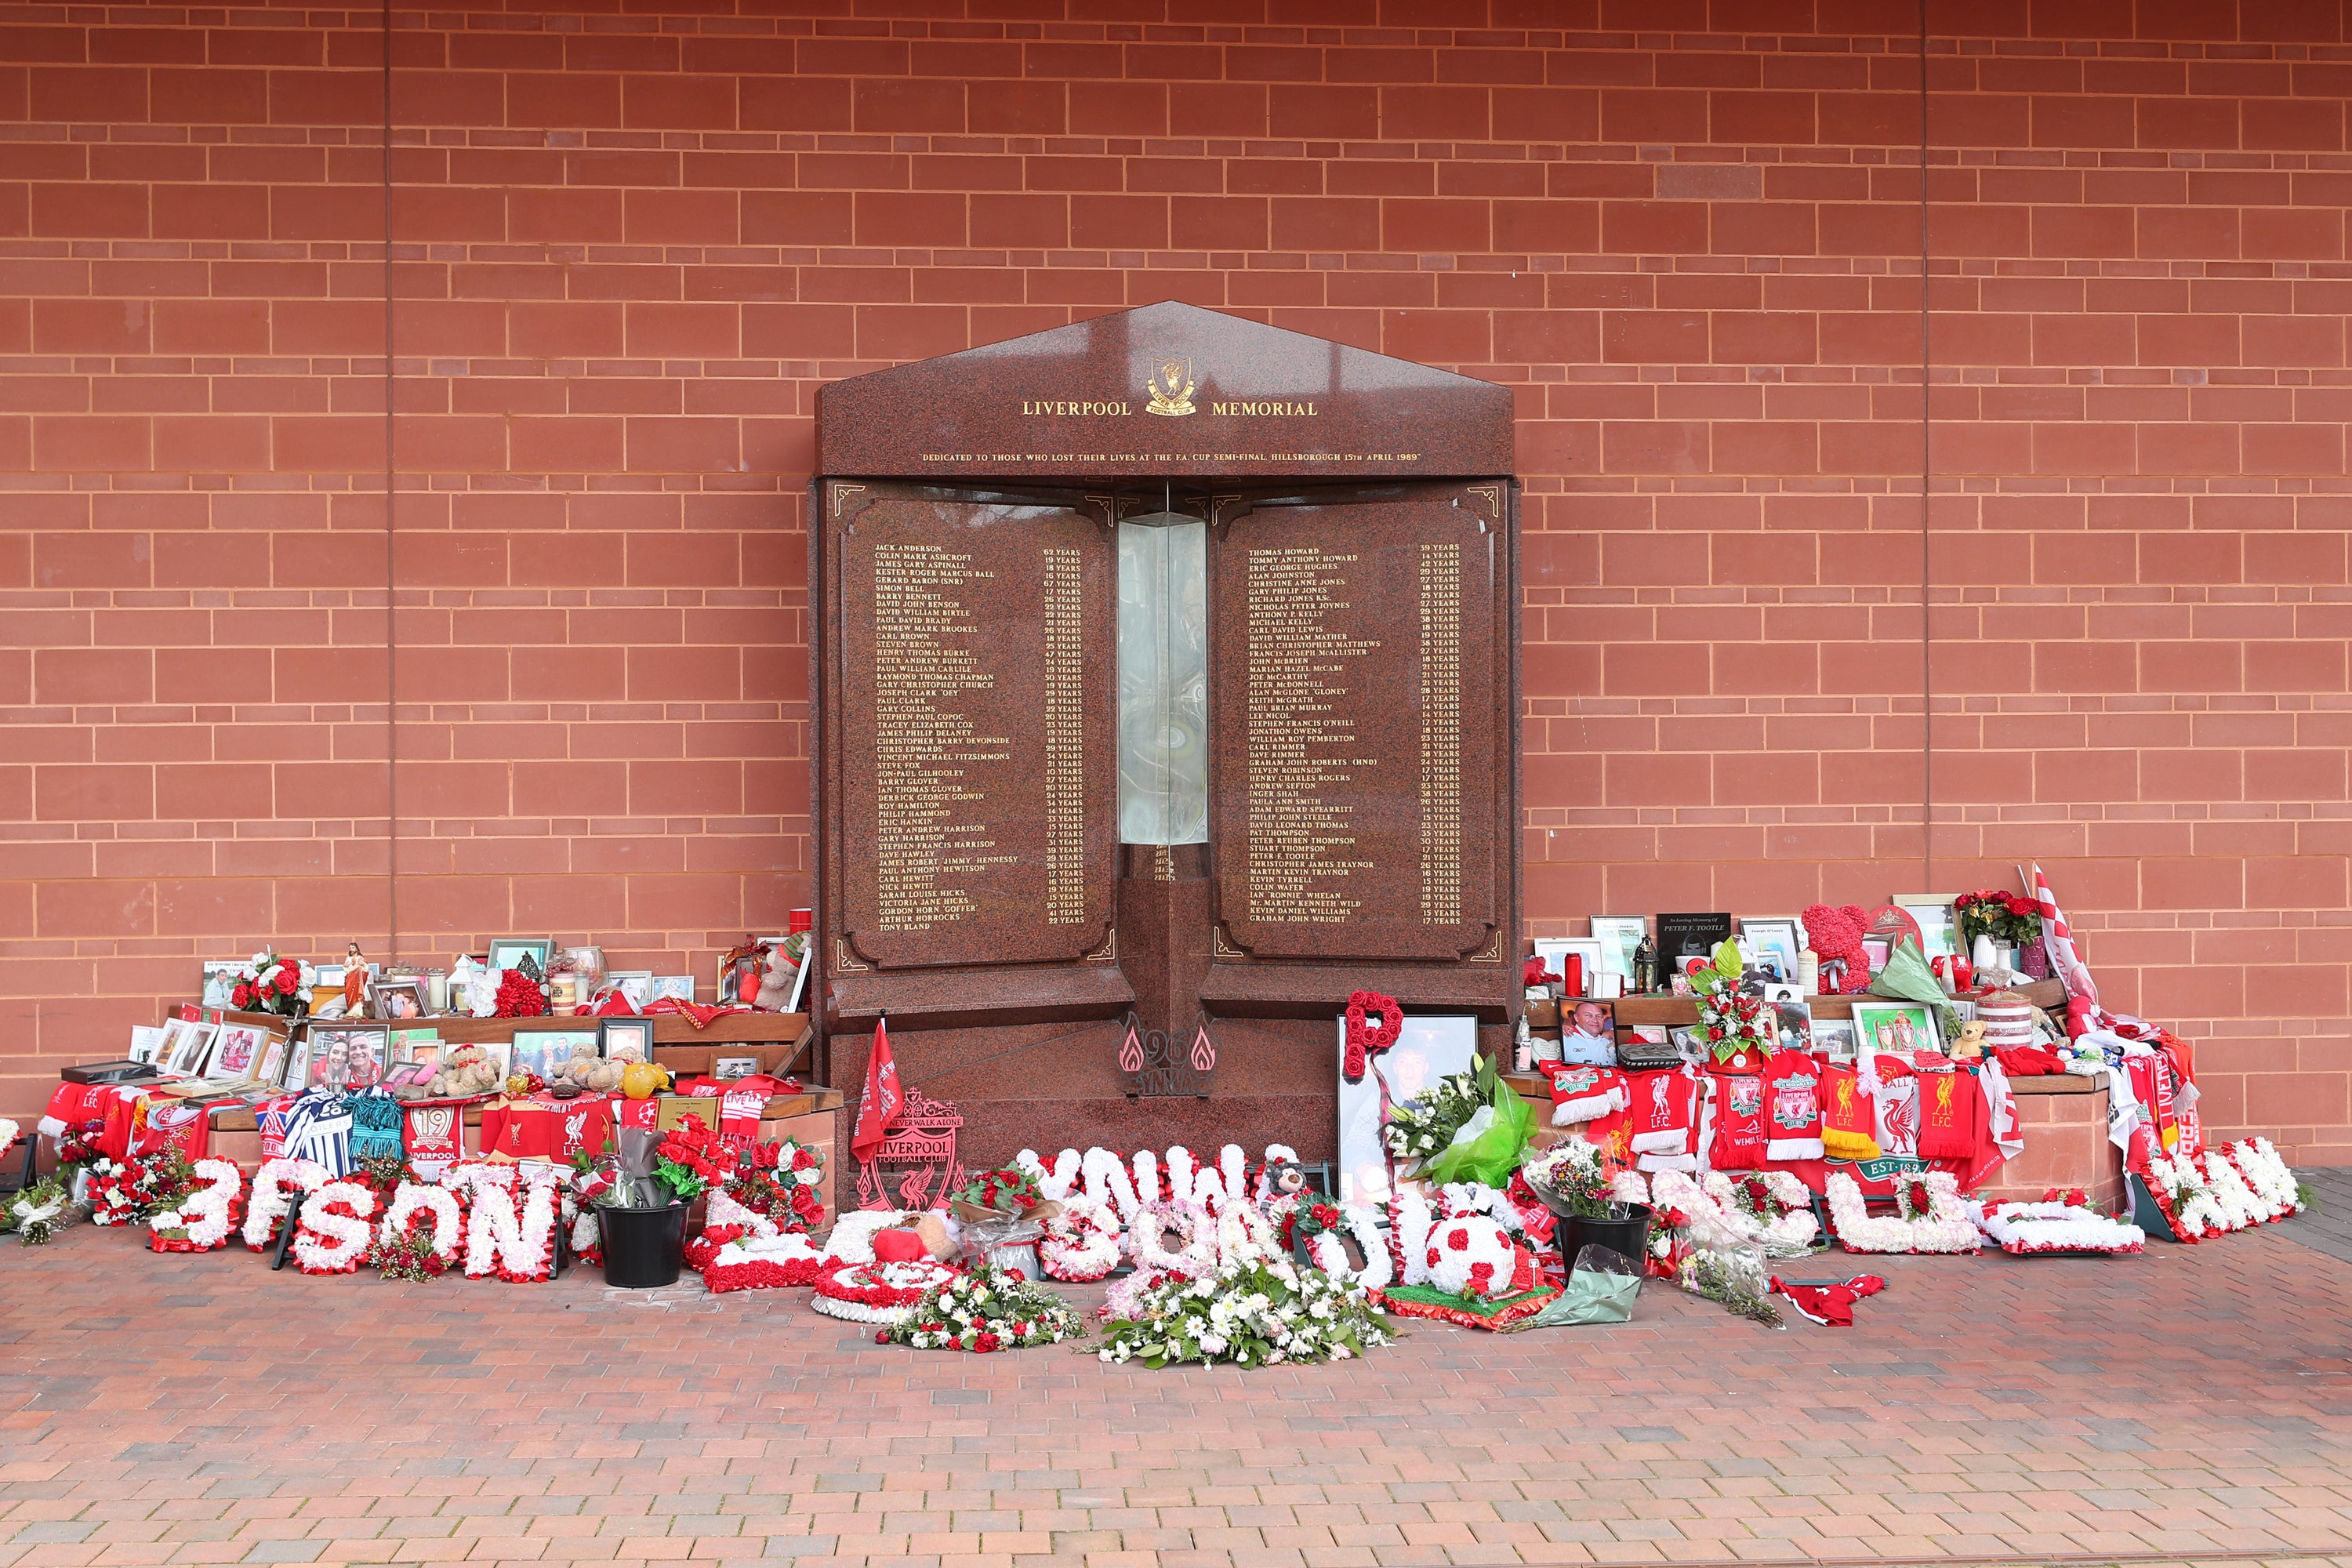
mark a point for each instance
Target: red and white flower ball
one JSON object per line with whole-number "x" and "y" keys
{"x": 1475, "y": 1258}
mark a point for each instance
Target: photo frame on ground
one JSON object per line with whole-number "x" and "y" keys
{"x": 1432, "y": 1046}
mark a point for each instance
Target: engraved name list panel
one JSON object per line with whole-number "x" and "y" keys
{"x": 1353, "y": 696}
{"x": 976, "y": 684}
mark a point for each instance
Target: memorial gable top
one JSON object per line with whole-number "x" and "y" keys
{"x": 1168, "y": 390}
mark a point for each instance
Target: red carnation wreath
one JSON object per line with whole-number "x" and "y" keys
{"x": 1366, "y": 1037}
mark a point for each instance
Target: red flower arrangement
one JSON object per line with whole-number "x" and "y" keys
{"x": 2004, "y": 917}
{"x": 1010, "y": 1190}
{"x": 691, "y": 1157}
{"x": 778, "y": 1180}
{"x": 520, "y": 996}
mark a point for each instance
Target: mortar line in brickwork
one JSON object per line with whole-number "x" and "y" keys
{"x": 391, "y": 536}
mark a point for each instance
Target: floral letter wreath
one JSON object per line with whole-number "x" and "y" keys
{"x": 2055, "y": 1225}
{"x": 876, "y": 1292}
{"x": 333, "y": 1232}
{"x": 273, "y": 1186}
{"x": 206, "y": 1217}
{"x": 1933, "y": 1218}
{"x": 1080, "y": 1243}
{"x": 518, "y": 1248}
{"x": 1367, "y": 1039}
{"x": 410, "y": 1200}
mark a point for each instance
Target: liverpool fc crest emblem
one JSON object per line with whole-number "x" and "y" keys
{"x": 1171, "y": 386}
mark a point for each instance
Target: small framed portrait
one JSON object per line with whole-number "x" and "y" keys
{"x": 678, "y": 986}
{"x": 1899, "y": 1027}
{"x": 219, "y": 980}
{"x": 1876, "y": 951}
{"x": 1940, "y": 934}
{"x": 509, "y": 951}
{"x": 396, "y": 999}
{"x": 1835, "y": 1038}
{"x": 146, "y": 1040}
{"x": 726, "y": 1067}
{"x": 1770, "y": 944}
{"x": 272, "y": 1069}
{"x": 426, "y": 1054}
{"x": 296, "y": 1073}
{"x": 1588, "y": 1033}
{"x": 238, "y": 1052}
{"x": 349, "y": 1054}
{"x": 625, "y": 1039}
{"x": 1619, "y": 935}
{"x": 500, "y": 1052}
{"x": 1795, "y": 1018}
{"x": 636, "y": 984}
{"x": 407, "y": 1075}
{"x": 190, "y": 1046}
{"x": 1576, "y": 979}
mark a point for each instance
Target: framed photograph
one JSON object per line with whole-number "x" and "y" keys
{"x": 800, "y": 986}
{"x": 1432, "y": 1046}
{"x": 190, "y": 1047}
{"x": 544, "y": 1050}
{"x": 220, "y": 978}
{"x": 344, "y": 1053}
{"x": 500, "y": 1052}
{"x": 625, "y": 1039}
{"x": 681, "y": 986}
{"x": 272, "y": 1069}
{"x": 725, "y": 1068}
{"x": 1553, "y": 949}
{"x": 1796, "y": 1022}
{"x": 296, "y": 1075}
{"x": 407, "y": 1075}
{"x": 1771, "y": 943}
{"x": 145, "y": 1040}
{"x": 1619, "y": 935}
{"x": 508, "y": 952}
{"x": 238, "y": 1052}
{"x": 1588, "y": 1033}
{"x": 1939, "y": 932}
{"x": 1835, "y": 1038}
{"x": 422, "y": 1053}
{"x": 1898, "y": 1028}
{"x": 636, "y": 984}
{"x": 1875, "y": 950}
{"x": 396, "y": 1000}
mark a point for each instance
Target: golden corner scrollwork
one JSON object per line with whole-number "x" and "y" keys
{"x": 1492, "y": 953}
{"x": 844, "y": 964}
{"x": 1109, "y": 951}
{"x": 1220, "y": 947}
{"x": 841, "y": 495}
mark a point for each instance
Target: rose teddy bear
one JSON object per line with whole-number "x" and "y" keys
{"x": 1835, "y": 937}
{"x": 468, "y": 1070}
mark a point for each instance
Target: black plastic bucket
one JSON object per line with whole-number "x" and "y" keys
{"x": 642, "y": 1247}
{"x": 1630, "y": 1234}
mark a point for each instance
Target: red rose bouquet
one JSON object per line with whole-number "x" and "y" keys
{"x": 269, "y": 983}
{"x": 2004, "y": 917}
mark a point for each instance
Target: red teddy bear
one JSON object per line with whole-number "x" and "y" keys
{"x": 1835, "y": 937}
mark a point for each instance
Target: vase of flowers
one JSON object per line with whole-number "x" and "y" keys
{"x": 2011, "y": 921}
{"x": 269, "y": 983}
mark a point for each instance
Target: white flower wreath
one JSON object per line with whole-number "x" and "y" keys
{"x": 204, "y": 1218}
{"x": 409, "y": 1200}
{"x": 1944, "y": 1227}
{"x": 2258, "y": 1160}
{"x": 272, "y": 1196}
{"x": 333, "y": 1233}
{"x": 2049, "y": 1227}
{"x": 1081, "y": 1241}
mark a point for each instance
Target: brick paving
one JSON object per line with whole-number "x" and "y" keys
{"x": 2193, "y": 1403}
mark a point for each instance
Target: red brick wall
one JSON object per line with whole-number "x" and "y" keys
{"x": 630, "y": 245}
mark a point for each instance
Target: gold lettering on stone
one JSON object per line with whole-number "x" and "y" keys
{"x": 1299, "y": 737}
{"x": 1065, "y": 740}
{"x": 932, "y": 827}
{"x": 1077, "y": 410}
{"x": 1264, "y": 410}
{"x": 1441, "y": 734}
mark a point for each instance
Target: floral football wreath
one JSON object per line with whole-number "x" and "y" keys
{"x": 1374, "y": 1022}
{"x": 205, "y": 1215}
{"x": 1929, "y": 1217}
{"x": 987, "y": 1309}
{"x": 1081, "y": 1241}
{"x": 876, "y": 1292}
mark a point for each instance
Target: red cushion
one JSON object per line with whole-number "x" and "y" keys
{"x": 898, "y": 1246}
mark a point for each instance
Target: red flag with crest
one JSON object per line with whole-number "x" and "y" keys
{"x": 879, "y": 1112}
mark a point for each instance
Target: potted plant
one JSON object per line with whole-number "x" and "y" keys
{"x": 642, "y": 1199}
